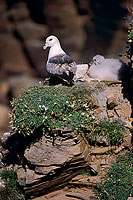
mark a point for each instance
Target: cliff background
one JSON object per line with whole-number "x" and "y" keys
{"x": 84, "y": 27}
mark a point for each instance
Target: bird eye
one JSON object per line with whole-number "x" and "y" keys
{"x": 50, "y": 39}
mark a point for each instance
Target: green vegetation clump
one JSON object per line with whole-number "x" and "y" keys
{"x": 11, "y": 191}
{"x": 130, "y": 36}
{"x": 52, "y": 108}
{"x": 112, "y": 131}
{"x": 118, "y": 180}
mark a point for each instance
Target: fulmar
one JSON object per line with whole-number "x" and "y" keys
{"x": 59, "y": 64}
{"x": 104, "y": 69}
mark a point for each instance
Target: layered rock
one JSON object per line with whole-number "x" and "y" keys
{"x": 45, "y": 164}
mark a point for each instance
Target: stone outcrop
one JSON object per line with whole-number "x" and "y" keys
{"x": 45, "y": 164}
{"x": 82, "y": 35}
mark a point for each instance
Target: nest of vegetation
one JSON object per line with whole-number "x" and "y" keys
{"x": 52, "y": 109}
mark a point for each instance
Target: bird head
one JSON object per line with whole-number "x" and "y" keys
{"x": 98, "y": 59}
{"x": 50, "y": 41}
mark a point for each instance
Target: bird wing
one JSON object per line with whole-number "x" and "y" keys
{"x": 63, "y": 66}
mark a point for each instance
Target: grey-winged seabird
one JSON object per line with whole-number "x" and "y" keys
{"x": 59, "y": 64}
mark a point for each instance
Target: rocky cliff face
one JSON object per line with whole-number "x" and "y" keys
{"x": 43, "y": 168}
{"x": 85, "y": 28}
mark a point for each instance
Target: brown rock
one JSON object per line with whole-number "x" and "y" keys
{"x": 29, "y": 30}
{"x": 63, "y": 153}
{"x": 101, "y": 150}
{"x": 37, "y": 55}
{"x": 4, "y": 90}
{"x": 61, "y": 162}
{"x": 21, "y": 82}
{"x": 94, "y": 179}
{"x": 21, "y": 176}
{"x": 119, "y": 149}
{"x": 69, "y": 31}
{"x": 19, "y": 12}
{"x": 95, "y": 166}
{"x": 112, "y": 103}
{"x": 120, "y": 106}
{"x": 123, "y": 110}
{"x": 4, "y": 110}
{"x": 12, "y": 55}
{"x": 128, "y": 140}
{"x": 81, "y": 72}
{"x": 4, "y": 25}
{"x": 107, "y": 160}
{"x": 78, "y": 195}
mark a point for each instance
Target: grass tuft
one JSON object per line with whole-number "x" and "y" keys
{"x": 118, "y": 180}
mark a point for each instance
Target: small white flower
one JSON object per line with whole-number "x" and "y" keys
{"x": 46, "y": 117}
{"x": 83, "y": 113}
{"x": 72, "y": 105}
{"x": 85, "y": 105}
{"x": 67, "y": 102}
{"x": 93, "y": 117}
{"x": 46, "y": 108}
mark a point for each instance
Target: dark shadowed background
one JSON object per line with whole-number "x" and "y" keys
{"x": 84, "y": 27}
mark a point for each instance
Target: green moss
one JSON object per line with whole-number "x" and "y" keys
{"x": 118, "y": 179}
{"x": 51, "y": 109}
{"x": 11, "y": 190}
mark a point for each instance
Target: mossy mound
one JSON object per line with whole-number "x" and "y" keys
{"x": 52, "y": 109}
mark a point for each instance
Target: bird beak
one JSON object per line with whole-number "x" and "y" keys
{"x": 45, "y": 47}
{"x": 90, "y": 63}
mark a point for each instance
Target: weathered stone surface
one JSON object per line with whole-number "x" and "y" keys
{"x": 69, "y": 31}
{"x": 54, "y": 155}
{"x": 121, "y": 106}
{"x": 94, "y": 179}
{"x": 128, "y": 140}
{"x": 69, "y": 194}
{"x": 21, "y": 176}
{"x": 81, "y": 73}
{"x": 95, "y": 166}
{"x": 112, "y": 103}
{"x": 4, "y": 110}
{"x": 20, "y": 82}
{"x": 30, "y": 30}
{"x": 12, "y": 55}
{"x": 4, "y": 90}
{"x": 49, "y": 166}
{"x": 19, "y": 12}
{"x": 101, "y": 150}
{"x": 37, "y": 56}
{"x": 57, "y": 161}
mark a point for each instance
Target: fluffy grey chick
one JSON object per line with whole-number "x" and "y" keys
{"x": 59, "y": 64}
{"x": 106, "y": 69}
